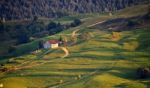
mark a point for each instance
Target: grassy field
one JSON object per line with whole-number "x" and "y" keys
{"x": 96, "y": 61}
{"x": 99, "y": 62}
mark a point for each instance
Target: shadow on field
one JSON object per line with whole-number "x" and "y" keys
{"x": 96, "y": 57}
{"x": 125, "y": 73}
{"x": 86, "y": 69}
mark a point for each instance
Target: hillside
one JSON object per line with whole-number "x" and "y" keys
{"x": 93, "y": 56}
{"x": 27, "y": 9}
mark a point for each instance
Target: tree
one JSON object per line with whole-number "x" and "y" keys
{"x": 131, "y": 23}
{"x": 60, "y": 38}
{"x": 54, "y": 28}
{"x": 35, "y": 19}
{"x": 11, "y": 49}
{"x": 147, "y": 15}
{"x": 41, "y": 44}
{"x": 76, "y": 22}
{"x": 2, "y": 27}
{"x": 22, "y": 36}
{"x": 51, "y": 25}
{"x": 143, "y": 72}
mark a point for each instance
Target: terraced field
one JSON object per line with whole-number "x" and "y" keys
{"x": 95, "y": 60}
{"x": 93, "y": 63}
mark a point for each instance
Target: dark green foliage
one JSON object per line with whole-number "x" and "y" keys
{"x": 60, "y": 39}
{"x": 41, "y": 44}
{"x": 21, "y": 9}
{"x": 22, "y": 33}
{"x": 143, "y": 73}
{"x": 11, "y": 49}
{"x": 54, "y": 28}
{"x": 22, "y": 36}
{"x": 35, "y": 27}
{"x": 35, "y": 19}
{"x": 1, "y": 65}
{"x": 147, "y": 15}
{"x": 26, "y": 48}
{"x": 131, "y": 23}
{"x": 1, "y": 27}
{"x": 52, "y": 25}
{"x": 76, "y": 22}
{"x": 23, "y": 39}
{"x": 144, "y": 40}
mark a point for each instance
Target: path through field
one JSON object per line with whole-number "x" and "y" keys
{"x": 96, "y": 23}
{"x": 66, "y": 51}
{"x": 30, "y": 64}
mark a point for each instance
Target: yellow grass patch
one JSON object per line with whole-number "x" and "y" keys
{"x": 116, "y": 36}
{"x": 98, "y": 53}
{"x": 131, "y": 46}
{"x": 111, "y": 81}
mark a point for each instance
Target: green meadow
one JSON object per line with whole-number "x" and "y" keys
{"x": 94, "y": 61}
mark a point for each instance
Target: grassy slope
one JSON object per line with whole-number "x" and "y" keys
{"x": 134, "y": 10}
{"x": 114, "y": 63}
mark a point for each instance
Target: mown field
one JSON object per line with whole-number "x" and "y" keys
{"x": 96, "y": 60}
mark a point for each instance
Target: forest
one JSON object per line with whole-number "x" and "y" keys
{"x": 27, "y": 9}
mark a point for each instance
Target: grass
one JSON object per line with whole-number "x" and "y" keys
{"x": 97, "y": 62}
{"x": 116, "y": 66}
{"x": 136, "y": 10}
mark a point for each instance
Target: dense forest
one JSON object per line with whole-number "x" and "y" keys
{"x": 27, "y": 9}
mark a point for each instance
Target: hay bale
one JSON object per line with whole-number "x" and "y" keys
{"x": 1, "y": 85}
{"x": 79, "y": 76}
{"x": 61, "y": 81}
{"x": 76, "y": 78}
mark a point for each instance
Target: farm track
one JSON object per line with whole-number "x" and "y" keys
{"x": 96, "y": 23}
{"x": 32, "y": 63}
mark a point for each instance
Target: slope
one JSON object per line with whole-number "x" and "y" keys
{"x": 96, "y": 60}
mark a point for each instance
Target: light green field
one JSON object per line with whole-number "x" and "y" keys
{"x": 110, "y": 64}
{"x": 96, "y": 62}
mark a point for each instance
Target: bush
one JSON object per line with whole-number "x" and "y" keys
{"x": 23, "y": 39}
{"x": 41, "y": 44}
{"x": 11, "y": 49}
{"x": 143, "y": 73}
{"x": 22, "y": 34}
{"x": 131, "y": 23}
{"x": 54, "y": 28}
{"x": 76, "y": 22}
{"x": 2, "y": 28}
{"x": 52, "y": 25}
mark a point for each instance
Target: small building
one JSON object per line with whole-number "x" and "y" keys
{"x": 51, "y": 44}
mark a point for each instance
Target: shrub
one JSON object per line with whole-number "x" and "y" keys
{"x": 24, "y": 38}
{"x": 131, "y": 46}
{"x": 41, "y": 44}
{"x": 76, "y": 22}
{"x": 131, "y": 23}
{"x": 11, "y": 49}
{"x": 143, "y": 72}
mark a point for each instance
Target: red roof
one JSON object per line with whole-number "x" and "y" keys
{"x": 53, "y": 41}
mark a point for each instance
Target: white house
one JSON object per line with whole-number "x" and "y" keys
{"x": 51, "y": 44}
{"x": 46, "y": 45}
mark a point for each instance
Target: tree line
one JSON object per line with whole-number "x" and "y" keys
{"x": 27, "y": 9}
{"x": 23, "y": 33}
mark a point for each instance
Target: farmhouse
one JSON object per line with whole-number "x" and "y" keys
{"x": 51, "y": 44}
